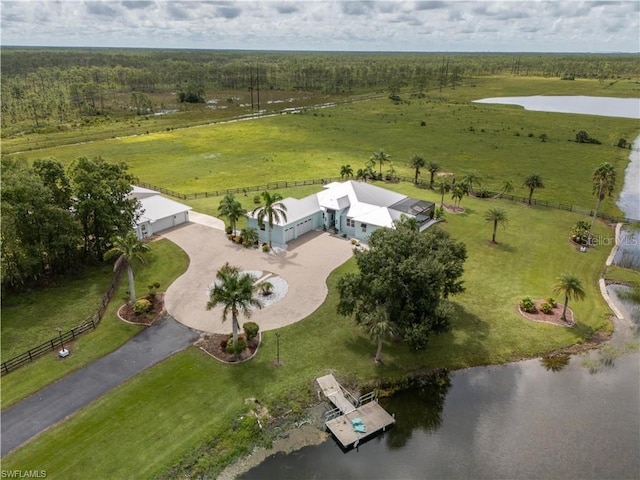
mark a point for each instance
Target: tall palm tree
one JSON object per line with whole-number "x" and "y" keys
{"x": 571, "y": 287}
{"x": 444, "y": 187}
{"x": 346, "y": 171}
{"x": 471, "y": 179}
{"x": 380, "y": 157}
{"x": 127, "y": 249}
{"x": 273, "y": 210}
{"x": 433, "y": 168}
{"x": 533, "y": 182}
{"x": 497, "y": 216}
{"x": 232, "y": 209}
{"x": 458, "y": 191}
{"x": 417, "y": 162}
{"x": 379, "y": 326}
{"x": 604, "y": 179}
{"x": 234, "y": 291}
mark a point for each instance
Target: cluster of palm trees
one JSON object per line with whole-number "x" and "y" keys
{"x": 272, "y": 210}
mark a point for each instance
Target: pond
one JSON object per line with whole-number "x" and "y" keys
{"x": 604, "y": 106}
{"x": 557, "y": 417}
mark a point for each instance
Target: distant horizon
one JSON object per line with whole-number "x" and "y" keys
{"x": 455, "y": 26}
{"x": 249, "y": 50}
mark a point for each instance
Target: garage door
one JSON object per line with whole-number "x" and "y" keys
{"x": 289, "y": 233}
{"x": 304, "y": 227}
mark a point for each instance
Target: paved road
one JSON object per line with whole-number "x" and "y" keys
{"x": 54, "y": 403}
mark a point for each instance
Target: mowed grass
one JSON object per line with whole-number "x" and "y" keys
{"x": 499, "y": 142}
{"x": 165, "y": 263}
{"x": 168, "y": 412}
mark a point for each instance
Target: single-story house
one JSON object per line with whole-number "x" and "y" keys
{"x": 157, "y": 213}
{"x": 352, "y": 208}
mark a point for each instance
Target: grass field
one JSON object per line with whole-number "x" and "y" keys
{"x": 170, "y": 412}
{"x": 31, "y": 320}
{"x": 499, "y": 142}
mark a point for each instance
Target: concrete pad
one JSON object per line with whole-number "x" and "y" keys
{"x": 206, "y": 220}
{"x": 305, "y": 266}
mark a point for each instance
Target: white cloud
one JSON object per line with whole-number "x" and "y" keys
{"x": 327, "y": 25}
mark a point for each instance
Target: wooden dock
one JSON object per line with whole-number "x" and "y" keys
{"x": 352, "y": 420}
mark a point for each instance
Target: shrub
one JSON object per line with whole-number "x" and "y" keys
{"x": 527, "y": 305}
{"x": 153, "y": 287}
{"x": 552, "y": 301}
{"x": 580, "y": 232}
{"x": 439, "y": 213}
{"x": 266, "y": 247}
{"x": 622, "y": 143}
{"x": 546, "y": 308}
{"x": 228, "y": 230}
{"x": 237, "y": 348}
{"x": 423, "y": 123}
{"x": 251, "y": 329}
{"x": 142, "y": 306}
{"x": 224, "y": 344}
{"x": 257, "y": 200}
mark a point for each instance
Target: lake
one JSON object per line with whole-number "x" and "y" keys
{"x": 604, "y": 106}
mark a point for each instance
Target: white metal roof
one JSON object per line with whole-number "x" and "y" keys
{"x": 157, "y": 207}
{"x": 297, "y": 208}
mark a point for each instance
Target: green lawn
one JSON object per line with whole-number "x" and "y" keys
{"x": 499, "y": 142}
{"x": 165, "y": 263}
{"x": 171, "y": 412}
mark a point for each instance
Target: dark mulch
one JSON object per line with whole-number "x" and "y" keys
{"x": 213, "y": 344}
{"x": 157, "y": 309}
{"x": 554, "y": 317}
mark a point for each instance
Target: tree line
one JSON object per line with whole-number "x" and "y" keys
{"x": 57, "y": 85}
{"x": 54, "y": 220}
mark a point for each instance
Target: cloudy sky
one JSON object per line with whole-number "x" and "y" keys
{"x": 534, "y": 26}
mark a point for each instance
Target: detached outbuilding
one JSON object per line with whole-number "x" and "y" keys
{"x": 157, "y": 212}
{"x": 355, "y": 209}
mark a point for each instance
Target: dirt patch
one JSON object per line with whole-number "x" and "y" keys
{"x": 453, "y": 209}
{"x": 127, "y": 314}
{"x": 215, "y": 345}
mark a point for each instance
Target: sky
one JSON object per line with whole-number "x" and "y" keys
{"x": 419, "y": 26}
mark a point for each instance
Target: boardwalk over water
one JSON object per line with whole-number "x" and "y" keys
{"x": 353, "y": 419}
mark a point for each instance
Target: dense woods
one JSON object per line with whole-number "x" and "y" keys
{"x": 46, "y": 89}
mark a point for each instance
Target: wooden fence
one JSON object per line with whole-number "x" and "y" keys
{"x": 90, "y": 323}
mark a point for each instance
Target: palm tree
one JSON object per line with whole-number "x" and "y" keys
{"x": 433, "y": 168}
{"x": 471, "y": 179}
{"x": 234, "y": 291}
{"x": 507, "y": 187}
{"x": 346, "y": 171}
{"x": 497, "y": 216}
{"x": 443, "y": 188}
{"x": 127, "y": 249}
{"x": 380, "y": 157}
{"x": 417, "y": 162}
{"x": 249, "y": 236}
{"x": 459, "y": 190}
{"x": 378, "y": 326}
{"x": 604, "y": 179}
{"x": 571, "y": 287}
{"x": 533, "y": 182}
{"x": 232, "y": 209}
{"x": 273, "y": 210}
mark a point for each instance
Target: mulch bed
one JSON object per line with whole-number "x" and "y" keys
{"x": 212, "y": 344}
{"x": 157, "y": 308}
{"x": 554, "y": 317}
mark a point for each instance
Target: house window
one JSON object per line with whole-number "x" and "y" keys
{"x": 261, "y": 225}
{"x": 364, "y": 227}
{"x": 351, "y": 223}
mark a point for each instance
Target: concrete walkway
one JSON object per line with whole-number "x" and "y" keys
{"x": 54, "y": 403}
{"x": 305, "y": 266}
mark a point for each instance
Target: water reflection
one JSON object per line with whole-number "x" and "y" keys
{"x": 555, "y": 363}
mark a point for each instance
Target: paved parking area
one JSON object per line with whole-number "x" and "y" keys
{"x": 305, "y": 266}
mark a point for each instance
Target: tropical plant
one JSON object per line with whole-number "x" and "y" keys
{"x": 379, "y": 326}
{"x": 432, "y": 168}
{"x": 251, "y": 329}
{"x": 459, "y": 190}
{"x": 127, "y": 249}
{"x": 417, "y": 162}
{"x": 496, "y": 216}
{"x": 380, "y": 157}
{"x": 533, "y": 182}
{"x": 235, "y": 292}
{"x": 443, "y": 187}
{"x": 604, "y": 179}
{"x": 273, "y": 210}
{"x": 507, "y": 187}
{"x": 232, "y": 209}
{"x": 571, "y": 287}
{"x": 527, "y": 305}
{"x": 471, "y": 179}
{"x": 250, "y": 236}
{"x": 346, "y": 171}
{"x": 580, "y": 232}
{"x": 141, "y": 306}
{"x": 265, "y": 287}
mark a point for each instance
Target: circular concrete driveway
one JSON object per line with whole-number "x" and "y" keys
{"x": 305, "y": 266}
